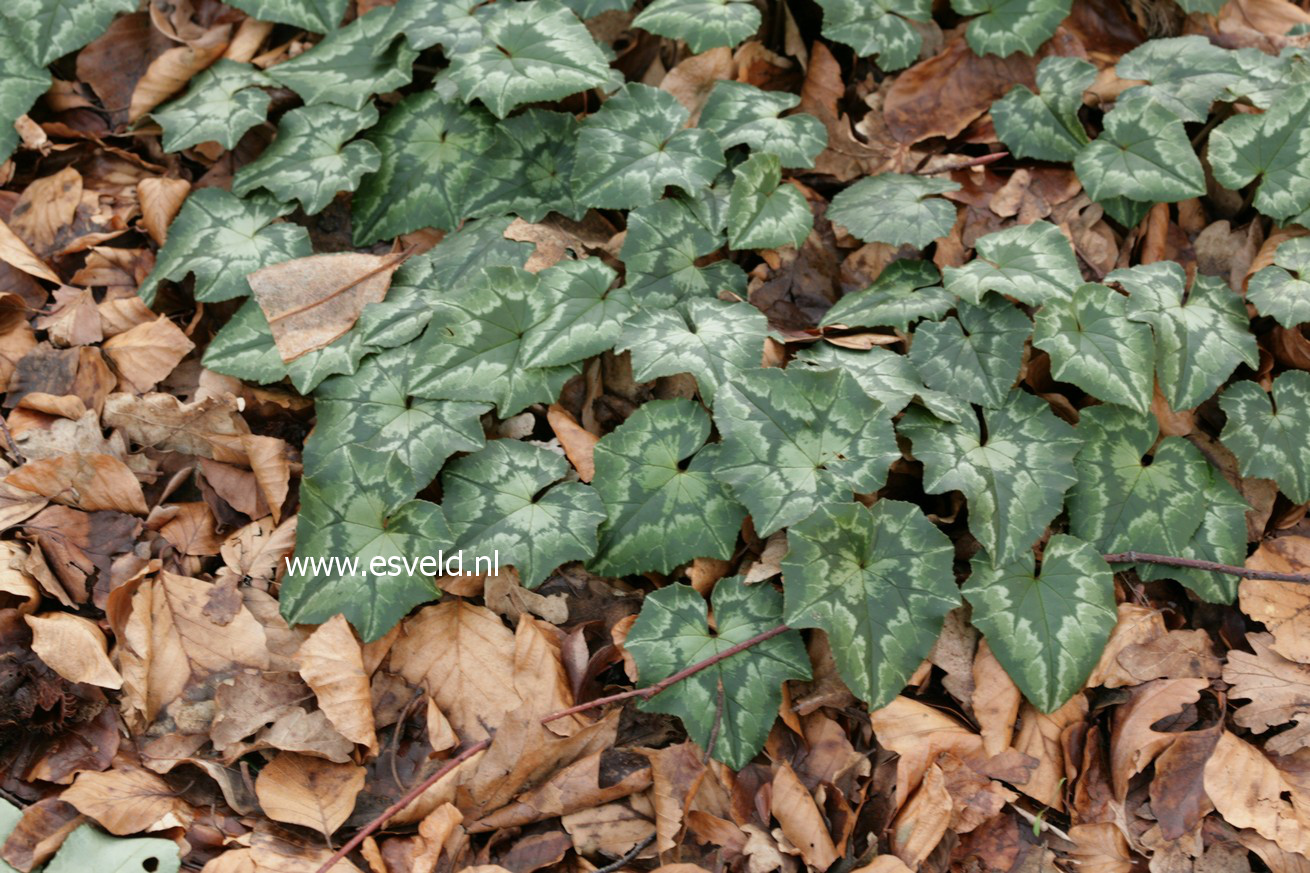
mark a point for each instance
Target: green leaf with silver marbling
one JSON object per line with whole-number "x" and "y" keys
{"x": 584, "y": 316}
{"x": 763, "y": 213}
{"x": 1282, "y": 290}
{"x": 702, "y": 24}
{"x": 1143, "y": 153}
{"x": 904, "y": 292}
{"x": 452, "y": 24}
{"x": 22, "y": 82}
{"x": 502, "y": 499}
{"x": 672, "y": 633}
{"x": 220, "y": 105}
{"x": 974, "y": 355}
{"x": 1032, "y": 263}
{"x": 879, "y": 582}
{"x": 1048, "y": 627}
{"x": 879, "y": 28}
{"x": 741, "y": 114}
{"x": 1004, "y": 27}
{"x": 1045, "y": 125}
{"x": 1185, "y": 74}
{"x": 49, "y": 29}
{"x": 793, "y": 439}
{"x": 1220, "y": 539}
{"x": 663, "y": 243}
{"x": 319, "y": 16}
{"x": 1275, "y": 149}
{"x": 1269, "y": 432}
{"x": 884, "y": 375}
{"x": 664, "y": 507}
{"x": 896, "y": 209}
{"x": 529, "y": 165}
{"x": 1014, "y": 473}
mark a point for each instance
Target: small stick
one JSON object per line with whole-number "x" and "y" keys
{"x": 1190, "y": 563}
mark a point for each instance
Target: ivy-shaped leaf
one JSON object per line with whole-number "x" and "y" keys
{"x": 430, "y": 154}
{"x": 1094, "y": 345}
{"x": 1264, "y": 79}
{"x": 1142, "y": 154}
{"x": 896, "y": 209}
{"x": 220, "y": 238}
{"x": 452, "y": 24}
{"x": 702, "y": 24}
{"x": 1014, "y": 473}
{"x": 1282, "y": 290}
{"x": 50, "y": 29}
{"x": 22, "y": 81}
{"x": 1198, "y": 341}
{"x": 352, "y": 64}
{"x": 636, "y": 145}
{"x": 362, "y": 520}
{"x": 904, "y": 292}
{"x": 591, "y": 8}
{"x": 664, "y": 506}
{"x": 1186, "y": 74}
{"x": 498, "y": 500}
{"x": 741, "y": 114}
{"x": 1273, "y": 148}
{"x": 530, "y": 52}
{"x": 877, "y": 28}
{"x": 1048, "y": 627}
{"x": 373, "y": 408}
{"x": 671, "y": 633}
{"x": 1032, "y": 263}
{"x": 1220, "y": 538}
{"x": 713, "y": 340}
{"x": 244, "y": 348}
{"x": 1045, "y": 125}
{"x": 1268, "y": 432}
{"x": 310, "y": 160}
{"x": 220, "y": 105}
{"x": 585, "y": 315}
{"x": 879, "y": 582}
{"x": 884, "y": 375}
{"x": 474, "y": 349}
{"x": 975, "y": 355}
{"x": 529, "y": 166}
{"x": 762, "y": 212}
{"x": 793, "y": 439}
{"x": 660, "y": 251}
{"x": 319, "y": 16}
{"x": 1004, "y": 27}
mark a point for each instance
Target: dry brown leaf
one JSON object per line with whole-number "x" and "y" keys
{"x": 883, "y": 864}
{"x": 190, "y": 529}
{"x": 233, "y": 860}
{"x": 74, "y": 320}
{"x": 309, "y": 302}
{"x": 539, "y": 676}
{"x": 45, "y": 207}
{"x": 209, "y": 428}
{"x": 270, "y": 461}
{"x": 147, "y": 353}
{"x": 590, "y": 782}
{"x": 922, "y": 822}
{"x": 255, "y": 552}
{"x": 1100, "y": 848}
{"x": 74, "y": 647}
{"x": 90, "y": 482}
{"x": 1283, "y": 607}
{"x": 68, "y": 406}
{"x": 802, "y": 822}
{"x": 505, "y": 594}
{"x": 332, "y": 664}
{"x": 996, "y": 701}
{"x": 1040, "y": 738}
{"x": 170, "y": 72}
{"x": 275, "y": 849}
{"x": 15, "y": 253}
{"x": 128, "y": 801}
{"x": 161, "y": 199}
{"x": 441, "y": 736}
{"x": 578, "y": 442}
{"x": 40, "y": 832}
{"x": 310, "y": 792}
{"x": 1136, "y": 625}
{"x": 975, "y": 799}
{"x": 1250, "y": 792}
{"x": 1176, "y": 655}
{"x": 692, "y": 79}
{"x": 1133, "y": 742}
{"x": 1278, "y": 691}
{"x": 917, "y": 732}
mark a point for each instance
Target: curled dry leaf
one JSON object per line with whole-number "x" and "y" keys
{"x": 161, "y": 199}
{"x": 332, "y": 664}
{"x": 1250, "y": 792}
{"x": 46, "y": 206}
{"x": 1278, "y": 691}
{"x": 74, "y": 320}
{"x": 922, "y": 823}
{"x": 147, "y": 353}
{"x": 310, "y": 792}
{"x": 209, "y": 428}
{"x": 170, "y": 72}
{"x": 40, "y": 832}
{"x": 578, "y": 442}
{"x": 802, "y": 822}
{"x": 74, "y": 647}
{"x": 309, "y": 302}
{"x": 1283, "y": 607}
{"x": 90, "y": 482}
{"x": 15, "y": 253}
{"x": 128, "y": 801}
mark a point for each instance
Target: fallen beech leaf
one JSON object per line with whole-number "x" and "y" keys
{"x": 40, "y": 832}
{"x": 332, "y": 664}
{"x": 803, "y": 824}
{"x": 271, "y": 463}
{"x": 147, "y": 353}
{"x": 46, "y": 206}
{"x": 578, "y": 442}
{"x": 1040, "y": 739}
{"x": 917, "y": 732}
{"x": 191, "y": 529}
{"x": 209, "y": 428}
{"x": 311, "y": 792}
{"x": 68, "y": 406}
{"x": 1133, "y": 742}
{"x": 996, "y": 701}
{"x": 172, "y": 70}
{"x": 1250, "y": 792}
{"x": 1100, "y": 848}
{"x": 161, "y": 199}
{"x": 128, "y": 801}
{"x": 15, "y": 253}
{"x": 309, "y": 302}
{"x": 921, "y": 824}
{"x": 89, "y": 482}
{"x": 74, "y": 647}
{"x": 74, "y": 320}
{"x": 275, "y": 849}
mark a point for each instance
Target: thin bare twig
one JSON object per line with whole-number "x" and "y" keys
{"x": 1190, "y": 563}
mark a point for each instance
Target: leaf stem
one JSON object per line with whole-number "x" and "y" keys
{"x": 1240, "y": 572}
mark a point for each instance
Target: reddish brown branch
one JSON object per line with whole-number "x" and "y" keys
{"x": 1240, "y": 572}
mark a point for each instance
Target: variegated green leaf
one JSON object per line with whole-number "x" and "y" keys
{"x": 879, "y": 582}
{"x": 320, "y": 16}
{"x": 1004, "y": 27}
{"x": 352, "y": 64}
{"x": 1013, "y": 474}
{"x": 452, "y": 24}
{"x": 50, "y": 29}
{"x": 904, "y": 292}
{"x": 1094, "y": 345}
{"x": 1048, "y": 627}
{"x": 244, "y": 348}
{"x": 1273, "y": 148}
{"x": 1198, "y": 341}
{"x": 671, "y": 633}
{"x": 1186, "y": 74}
{"x": 762, "y": 212}
{"x": 702, "y": 24}
{"x": 884, "y": 375}
{"x": 1143, "y": 153}
{"x": 220, "y": 105}
{"x": 793, "y": 439}
{"x": 713, "y": 340}
{"x": 474, "y": 349}
{"x": 501, "y": 500}
{"x": 1220, "y": 538}
{"x": 661, "y": 248}
{"x": 529, "y": 52}
{"x": 1045, "y": 125}
{"x": 1207, "y": 7}
{"x": 592, "y": 8}
{"x": 975, "y": 355}
{"x": 220, "y": 238}
{"x": 89, "y": 848}
{"x": 636, "y": 145}
{"x": 22, "y": 81}
{"x": 429, "y": 178}
{"x": 373, "y": 408}
{"x": 741, "y": 114}
{"x": 1032, "y": 263}
{"x": 895, "y": 209}
{"x": 1269, "y": 434}
{"x": 529, "y": 166}
{"x": 877, "y": 28}
{"x": 664, "y": 506}
{"x": 1282, "y": 290}
{"x": 1265, "y": 78}
{"x": 370, "y": 518}
{"x": 310, "y": 160}
{"x": 584, "y": 315}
